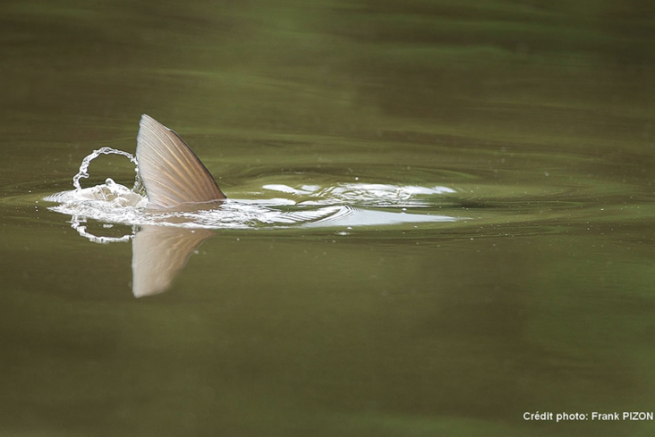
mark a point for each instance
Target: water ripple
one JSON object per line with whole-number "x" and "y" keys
{"x": 345, "y": 204}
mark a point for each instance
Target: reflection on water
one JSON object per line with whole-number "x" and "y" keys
{"x": 159, "y": 253}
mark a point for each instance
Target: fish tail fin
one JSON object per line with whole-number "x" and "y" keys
{"x": 170, "y": 172}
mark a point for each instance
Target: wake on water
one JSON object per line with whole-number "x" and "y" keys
{"x": 342, "y": 205}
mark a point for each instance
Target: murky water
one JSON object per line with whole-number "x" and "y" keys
{"x": 311, "y": 305}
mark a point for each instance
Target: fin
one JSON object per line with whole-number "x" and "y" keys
{"x": 158, "y": 255}
{"x": 171, "y": 173}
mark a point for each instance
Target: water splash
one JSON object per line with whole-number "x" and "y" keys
{"x": 79, "y": 224}
{"x": 83, "y": 173}
{"x": 308, "y": 206}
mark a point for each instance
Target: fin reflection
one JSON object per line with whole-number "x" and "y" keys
{"x": 158, "y": 255}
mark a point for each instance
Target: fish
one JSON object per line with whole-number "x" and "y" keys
{"x": 173, "y": 176}
{"x": 175, "y": 180}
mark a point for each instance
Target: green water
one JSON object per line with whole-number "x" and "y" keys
{"x": 539, "y": 115}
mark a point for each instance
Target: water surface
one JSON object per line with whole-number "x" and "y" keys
{"x": 537, "y": 296}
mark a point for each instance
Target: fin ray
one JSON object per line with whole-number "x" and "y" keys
{"x": 171, "y": 173}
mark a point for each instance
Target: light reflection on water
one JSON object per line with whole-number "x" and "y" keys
{"x": 340, "y": 205}
{"x": 347, "y": 205}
